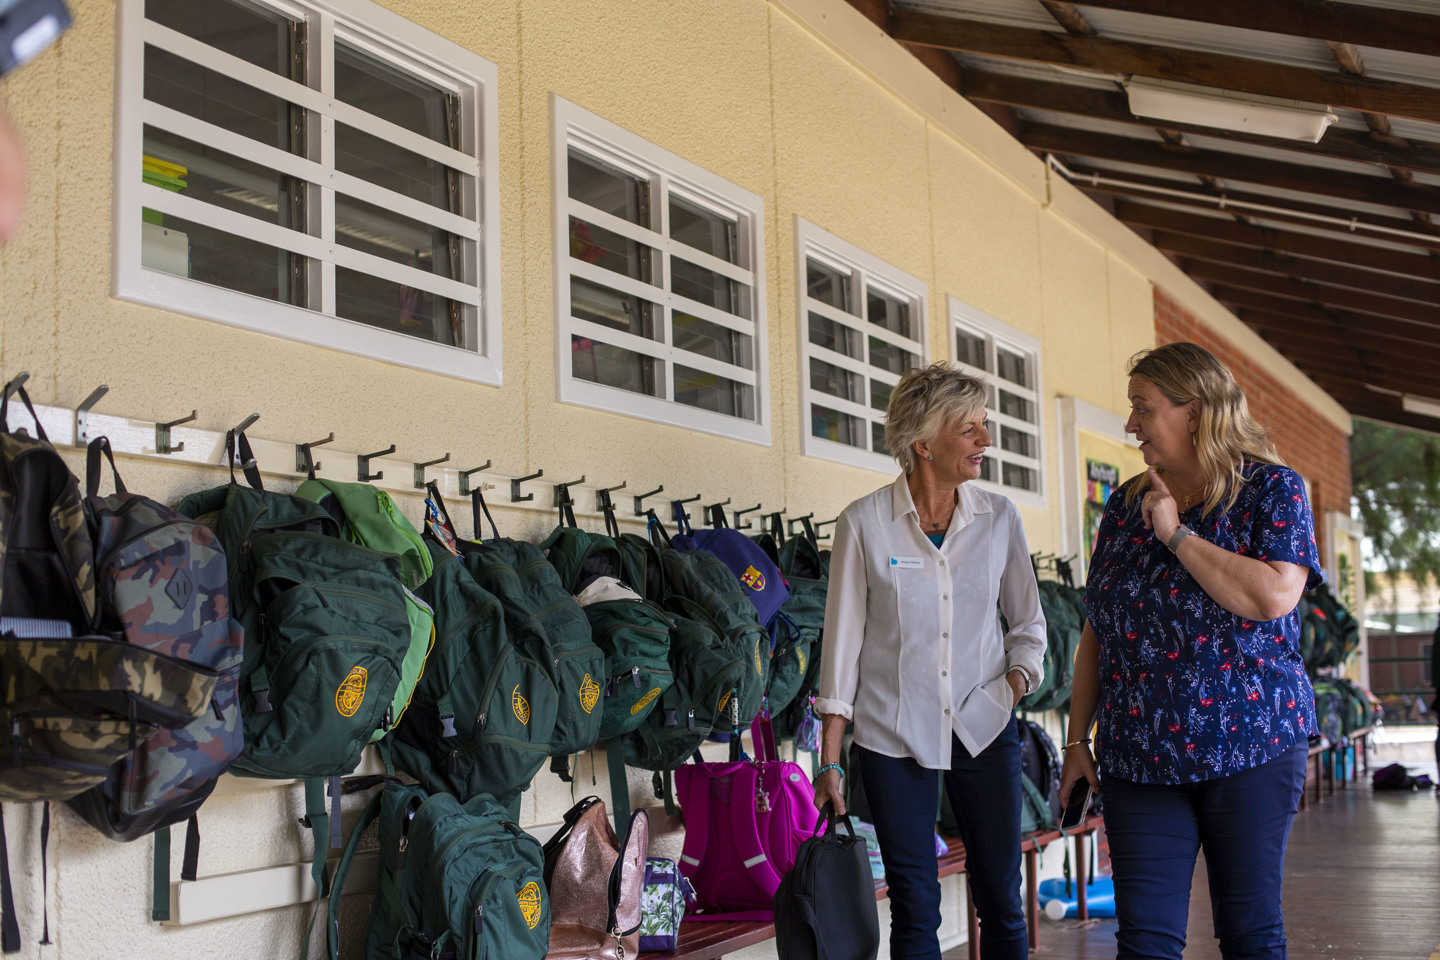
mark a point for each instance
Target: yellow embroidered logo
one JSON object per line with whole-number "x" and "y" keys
{"x": 761, "y": 648}
{"x": 800, "y": 655}
{"x": 720, "y": 707}
{"x": 351, "y": 692}
{"x": 644, "y": 701}
{"x": 589, "y": 693}
{"x": 753, "y": 579}
{"x": 529, "y": 899}
{"x": 519, "y": 705}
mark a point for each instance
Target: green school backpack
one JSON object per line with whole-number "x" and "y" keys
{"x": 794, "y": 667}
{"x": 707, "y": 671}
{"x": 369, "y": 517}
{"x": 326, "y": 629}
{"x": 483, "y": 714}
{"x": 634, "y": 634}
{"x": 1064, "y": 609}
{"x": 544, "y": 620}
{"x": 455, "y": 880}
{"x": 699, "y": 586}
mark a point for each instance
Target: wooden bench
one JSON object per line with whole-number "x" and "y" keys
{"x": 709, "y": 940}
{"x": 1316, "y": 762}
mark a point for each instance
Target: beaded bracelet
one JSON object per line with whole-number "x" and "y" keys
{"x": 831, "y": 766}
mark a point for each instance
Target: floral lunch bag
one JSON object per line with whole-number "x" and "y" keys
{"x": 666, "y": 893}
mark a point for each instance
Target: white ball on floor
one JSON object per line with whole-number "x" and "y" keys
{"x": 1055, "y": 910}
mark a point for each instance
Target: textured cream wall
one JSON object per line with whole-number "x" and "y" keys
{"x": 747, "y": 89}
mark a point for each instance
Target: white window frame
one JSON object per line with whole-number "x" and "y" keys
{"x": 381, "y": 34}
{"x": 866, "y": 270}
{"x": 593, "y": 135}
{"x": 997, "y": 332}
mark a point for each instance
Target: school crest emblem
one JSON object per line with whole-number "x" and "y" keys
{"x": 520, "y": 705}
{"x": 529, "y": 899}
{"x": 351, "y": 692}
{"x": 589, "y": 693}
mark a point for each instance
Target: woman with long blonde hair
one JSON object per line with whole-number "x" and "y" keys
{"x": 1189, "y": 664}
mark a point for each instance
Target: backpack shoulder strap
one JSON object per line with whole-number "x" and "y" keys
{"x": 342, "y": 870}
{"x": 696, "y": 808}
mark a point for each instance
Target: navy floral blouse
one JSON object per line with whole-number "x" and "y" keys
{"x": 1188, "y": 690}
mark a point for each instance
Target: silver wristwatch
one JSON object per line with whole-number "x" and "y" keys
{"x": 1178, "y": 537}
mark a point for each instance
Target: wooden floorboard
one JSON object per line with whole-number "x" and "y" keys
{"x": 1362, "y": 882}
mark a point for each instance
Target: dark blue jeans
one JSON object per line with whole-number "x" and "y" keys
{"x": 1242, "y": 822}
{"x": 985, "y": 795}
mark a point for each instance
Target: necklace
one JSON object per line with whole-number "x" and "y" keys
{"x": 937, "y": 524}
{"x": 1192, "y": 494}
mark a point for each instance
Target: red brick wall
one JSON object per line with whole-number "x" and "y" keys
{"x": 1308, "y": 442}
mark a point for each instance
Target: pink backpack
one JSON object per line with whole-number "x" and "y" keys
{"x": 744, "y": 823}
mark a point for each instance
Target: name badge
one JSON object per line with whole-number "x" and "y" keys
{"x": 908, "y": 563}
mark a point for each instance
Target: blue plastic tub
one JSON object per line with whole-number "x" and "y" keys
{"x": 1099, "y": 896}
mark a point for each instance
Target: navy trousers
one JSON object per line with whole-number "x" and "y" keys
{"x": 1242, "y": 822}
{"x": 985, "y": 795}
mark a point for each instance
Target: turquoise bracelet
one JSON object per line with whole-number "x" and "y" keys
{"x": 831, "y": 766}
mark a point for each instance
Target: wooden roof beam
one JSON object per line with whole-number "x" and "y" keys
{"x": 1426, "y": 316}
{"x": 1291, "y": 211}
{"x": 1329, "y": 274}
{"x": 1191, "y": 66}
{"x": 1400, "y": 335}
{"x": 1337, "y": 250}
{"x": 989, "y": 87}
{"x": 1318, "y": 19}
{"x": 1229, "y": 166}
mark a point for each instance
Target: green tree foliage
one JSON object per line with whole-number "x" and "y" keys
{"x": 1395, "y": 482}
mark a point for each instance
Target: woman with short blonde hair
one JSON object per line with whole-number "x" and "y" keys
{"x": 1190, "y": 655}
{"x": 915, "y": 657}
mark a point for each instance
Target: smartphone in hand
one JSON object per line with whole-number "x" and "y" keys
{"x": 1079, "y": 805}
{"x": 27, "y": 27}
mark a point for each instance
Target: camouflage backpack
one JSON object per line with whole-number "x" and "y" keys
{"x": 76, "y": 701}
{"x": 161, "y": 583}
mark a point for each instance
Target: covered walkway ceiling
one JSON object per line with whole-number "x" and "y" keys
{"x": 1327, "y": 249}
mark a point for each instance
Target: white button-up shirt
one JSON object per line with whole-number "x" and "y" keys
{"x": 913, "y": 647}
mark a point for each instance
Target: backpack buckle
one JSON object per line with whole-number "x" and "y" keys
{"x": 447, "y": 726}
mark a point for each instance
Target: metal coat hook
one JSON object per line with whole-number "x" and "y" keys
{"x": 622, "y": 485}
{"x": 689, "y": 499}
{"x": 234, "y": 452}
{"x": 362, "y": 464}
{"x": 162, "y": 435}
{"x": 562, "y": 493}
{"x": 737, "y": 514}
{"x": 82, "y": 415}
{"x": 420, "y": 469}
{"x": 715, "y": 513}
{"x": 723, "y": 503}
{"x": 791, "y": 521}
{"x": 302, "y": 462}
{"x": 17, "y": 383}
{"x": 465, "y": 477}
{"x": 640, "y": 500}
{"x": 515, "y": 487}
{"x": 824, "y": 523}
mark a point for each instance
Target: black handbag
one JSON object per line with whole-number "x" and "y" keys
{"x": 825, "y": 907}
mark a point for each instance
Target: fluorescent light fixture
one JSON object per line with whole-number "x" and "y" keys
{"x": 1424, "y": 406}
{"x": 1227, "y": 110}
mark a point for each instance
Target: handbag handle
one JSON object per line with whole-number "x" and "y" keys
{"x": 830, "y": 821}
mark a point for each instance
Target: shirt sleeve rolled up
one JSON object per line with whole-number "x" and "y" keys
{"x": 844, "y": 623}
